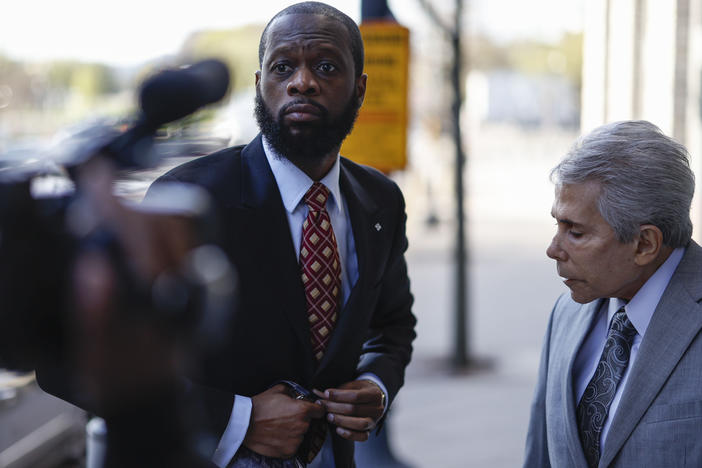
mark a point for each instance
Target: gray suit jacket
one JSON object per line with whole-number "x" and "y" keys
{"x": 659, "y": 419}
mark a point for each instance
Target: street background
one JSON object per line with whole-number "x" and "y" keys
{"x": 479, "y": 419}
{"x": 536, "y": 75}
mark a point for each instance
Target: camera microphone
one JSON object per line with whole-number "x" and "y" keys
{"x": 172, "y": 94}
{"x": 167, "y": 96}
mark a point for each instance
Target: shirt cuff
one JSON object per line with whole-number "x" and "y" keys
{"x": 234, "y": 433}
{"x": 376, "y": 380}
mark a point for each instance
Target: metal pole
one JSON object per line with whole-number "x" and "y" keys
{"x": 377, "y": 451}
{"x": 375, "y": 10}
{"x": 460, "y": 353}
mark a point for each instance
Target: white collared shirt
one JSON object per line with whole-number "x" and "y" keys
{"x": 639, "y": 310}
{"x": 293, "y": 184}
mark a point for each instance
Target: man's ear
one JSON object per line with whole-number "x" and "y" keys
{"x": 257, "y": 78}
{"x": 648, "y": 244}
{"x": 361, "y": 88}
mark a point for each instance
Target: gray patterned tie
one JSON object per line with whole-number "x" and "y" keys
{"x": 594, "y": 405}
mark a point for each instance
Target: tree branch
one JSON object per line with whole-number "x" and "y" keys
{"x": 434, "y": 16}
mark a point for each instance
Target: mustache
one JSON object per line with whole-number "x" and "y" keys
{"x": 297, "y": 102}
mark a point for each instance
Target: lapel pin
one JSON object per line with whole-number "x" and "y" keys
{"x": 378, "y": 227}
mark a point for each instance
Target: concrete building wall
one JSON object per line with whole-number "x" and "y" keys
{"x": 657, "y": 73}
{"x": 595, "y": 73}
{"x": 642, "y": 59}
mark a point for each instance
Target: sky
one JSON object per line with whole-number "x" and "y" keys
{"x": 130, "y": 32}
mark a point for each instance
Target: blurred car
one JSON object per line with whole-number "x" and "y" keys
{"x": 37, "y": 430}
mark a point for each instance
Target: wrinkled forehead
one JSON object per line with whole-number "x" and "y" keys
{"x": 306, "y": 30}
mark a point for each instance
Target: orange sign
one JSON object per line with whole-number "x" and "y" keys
{"x": 379, "y": 138}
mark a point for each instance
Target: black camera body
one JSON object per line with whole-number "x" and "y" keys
{"x": 39, "y": 241}
{"x": 36, "y": 252}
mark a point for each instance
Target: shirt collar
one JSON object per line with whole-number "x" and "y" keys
{"x": 641, "y": 307}
{"x": 293, "y": 183}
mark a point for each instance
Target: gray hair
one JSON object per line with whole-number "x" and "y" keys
{"x": 644, "y": 176}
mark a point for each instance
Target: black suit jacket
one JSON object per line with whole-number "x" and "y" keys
{"x": 269, "y": 336}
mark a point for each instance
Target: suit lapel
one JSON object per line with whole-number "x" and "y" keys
{"x": 576, "y": 331}
{"x": 265, "y": 226}
{"x": 363, "y": 214}
{"x": 675, "y": 322}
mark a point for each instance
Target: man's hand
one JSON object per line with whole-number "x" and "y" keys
{"x": 355, "y": 408}
{"x": 279, "y": 422}
{"x": 121, "y": 358}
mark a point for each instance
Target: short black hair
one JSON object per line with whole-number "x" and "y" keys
{"x": 318, "y": 8}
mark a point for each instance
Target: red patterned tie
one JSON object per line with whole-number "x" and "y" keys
{"x": 321, "y": 268}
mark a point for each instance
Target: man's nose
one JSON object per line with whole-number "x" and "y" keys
{"x": 555, "y": 251}
{"x": 303, "y": 82}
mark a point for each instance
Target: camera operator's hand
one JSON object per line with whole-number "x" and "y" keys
{"x": 279, "y": 422}
{"x": 122, "y": 354}
{"x": 128, "y": 361}
{"x": 151, "y": 242}
{"x": 118, "y": 360}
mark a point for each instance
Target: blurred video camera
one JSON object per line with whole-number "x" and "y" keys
{"x": 45, "y": 226}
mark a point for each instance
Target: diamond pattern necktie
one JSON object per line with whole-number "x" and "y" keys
{"x": 321, "y": 268}
{"x": 593, "y": 408}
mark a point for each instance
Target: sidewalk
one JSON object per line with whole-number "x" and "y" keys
{"x": 480, "y": 419}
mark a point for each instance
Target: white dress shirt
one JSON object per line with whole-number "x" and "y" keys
{"x": 639, "y": 310}
{"x": 293, "y": 183}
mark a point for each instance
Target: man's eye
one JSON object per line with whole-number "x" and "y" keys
{"x": 326, "y": 67}
{"x": 281, "y": 68}
{"x": 575, "y": 234}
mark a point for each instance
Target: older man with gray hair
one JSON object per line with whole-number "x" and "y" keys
{"x": 620, "y": 381}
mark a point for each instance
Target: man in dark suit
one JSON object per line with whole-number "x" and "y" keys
{"x": 308, "y": 92}
{"x": 619, "y": 383}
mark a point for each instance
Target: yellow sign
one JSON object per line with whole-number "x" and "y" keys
{"x": 379, "y": 138}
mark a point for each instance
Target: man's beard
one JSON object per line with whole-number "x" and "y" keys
{"x": 318, "y": 139}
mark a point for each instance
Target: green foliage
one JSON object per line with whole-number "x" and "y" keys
{"x": 92, "y": 80}
{"x": 17, "y": 78}
{"x": 530, "y": 57}
{"x": 33, "y": 83}
{"x": 60, "y": 74}
{"x": 238, "y": 48}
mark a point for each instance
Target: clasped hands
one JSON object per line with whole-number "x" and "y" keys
{"x": 279, "y": 422}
